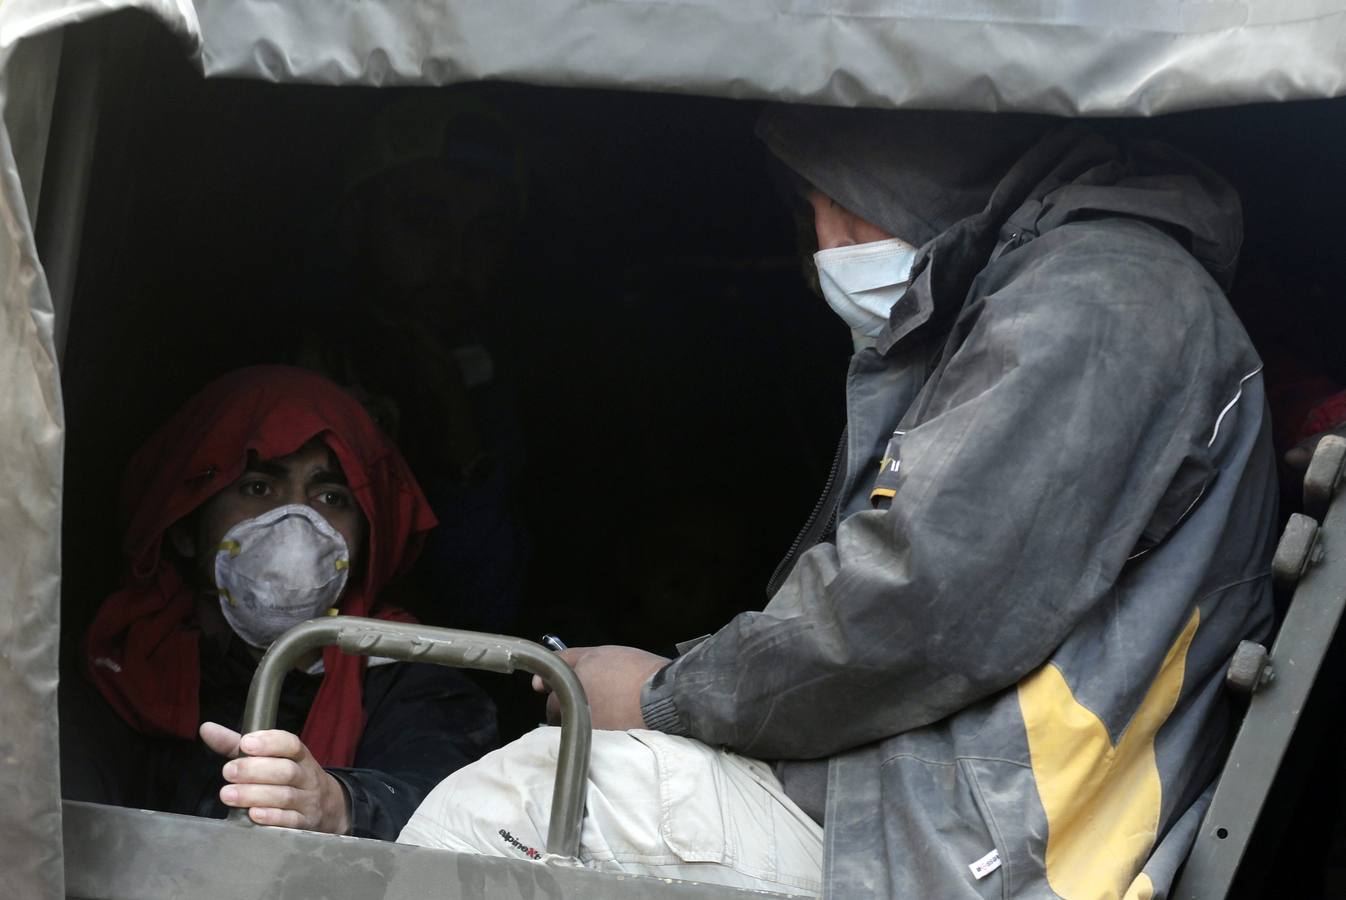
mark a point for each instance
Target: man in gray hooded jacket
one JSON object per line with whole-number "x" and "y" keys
{"x": 992, "y": 666}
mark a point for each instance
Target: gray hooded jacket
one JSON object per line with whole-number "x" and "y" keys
{"x": 1053, "y": 522}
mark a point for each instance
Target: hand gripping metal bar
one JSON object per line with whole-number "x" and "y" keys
{"x": 445, "y": 647}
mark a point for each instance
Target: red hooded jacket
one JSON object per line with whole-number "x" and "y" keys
{"x": 142, "y": 650}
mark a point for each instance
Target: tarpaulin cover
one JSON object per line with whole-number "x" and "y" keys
{"x": 1091, "y": 57}
{"x": 1073, "y": 57}
{"x": 31, "y": 443}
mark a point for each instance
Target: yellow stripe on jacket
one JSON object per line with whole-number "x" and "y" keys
{"x": 1102, "y": 801}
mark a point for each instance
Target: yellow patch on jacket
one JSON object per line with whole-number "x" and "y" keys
{"x": 1102, "y": 801}
{"x": 1141, "y": 889}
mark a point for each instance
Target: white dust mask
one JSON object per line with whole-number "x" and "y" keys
{"x": 279, "y": 569}
{"x": 862, "y": 282}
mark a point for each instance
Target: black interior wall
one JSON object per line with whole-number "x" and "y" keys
{"x": 678, "y": 386}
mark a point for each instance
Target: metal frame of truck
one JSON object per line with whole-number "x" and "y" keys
{"x": 891, "y": 53}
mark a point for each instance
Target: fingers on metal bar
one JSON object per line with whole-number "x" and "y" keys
{"x": 446, "y": 647}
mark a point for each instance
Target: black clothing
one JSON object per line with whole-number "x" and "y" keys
{"x": 422, "y": 722}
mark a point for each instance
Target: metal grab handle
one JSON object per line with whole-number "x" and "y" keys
{"x": 445, "y": 647}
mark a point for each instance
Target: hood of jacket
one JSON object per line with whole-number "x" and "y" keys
{"x": 142, "y": 649}
{"x": 952, "y": 182}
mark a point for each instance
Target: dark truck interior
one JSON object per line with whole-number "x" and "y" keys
{"x": 675, "y": 383}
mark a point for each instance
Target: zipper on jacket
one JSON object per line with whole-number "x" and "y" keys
{"x": 818, "y": 522}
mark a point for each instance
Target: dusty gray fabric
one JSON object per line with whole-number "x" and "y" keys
{"x": 28, "y": 104}
{"x": 1085, "y": 57}
{"x": 31, "y": 446}
{"x": 805, "y": 782}
{"x": 915, "y": 174}
{"x": 32, "y": 442}
{"x": 1084, "y": 464}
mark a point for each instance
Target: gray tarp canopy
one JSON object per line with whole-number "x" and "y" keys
{"x": 1072, "y": 57}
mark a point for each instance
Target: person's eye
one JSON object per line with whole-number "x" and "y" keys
{"x": 255, "y": 488}
{"x": 335, "y": 498}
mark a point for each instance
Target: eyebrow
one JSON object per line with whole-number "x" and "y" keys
{"x": 266, "y": 467}
{"x": 328, "y": 476}
{"x": 270, "y": 468}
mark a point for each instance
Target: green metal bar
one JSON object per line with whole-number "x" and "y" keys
{"x": 445, "y": 647}
{"x": 1273, "y": 714}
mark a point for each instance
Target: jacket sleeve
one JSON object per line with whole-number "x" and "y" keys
{"x": 423, "y": 722}
{"x": 1069, "y": 424}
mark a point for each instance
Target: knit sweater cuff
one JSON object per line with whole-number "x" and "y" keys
{"x": 657, "y": 706}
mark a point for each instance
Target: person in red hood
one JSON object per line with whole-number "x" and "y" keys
{"x": 269, "y": 499}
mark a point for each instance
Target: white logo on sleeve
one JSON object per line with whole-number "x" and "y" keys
{"x": 986, "y": 865}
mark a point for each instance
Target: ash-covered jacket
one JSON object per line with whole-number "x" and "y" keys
{"x": 1052, "y": 524}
